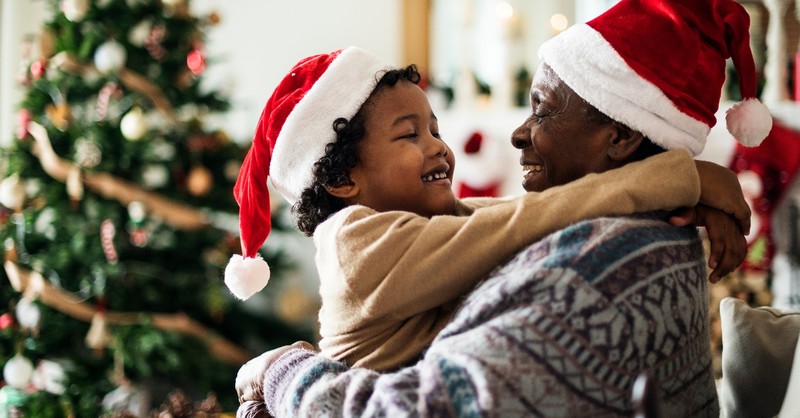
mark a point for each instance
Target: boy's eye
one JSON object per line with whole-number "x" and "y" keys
{"x": 436, "y": 135}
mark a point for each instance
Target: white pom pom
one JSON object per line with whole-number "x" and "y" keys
{"x": 749, "y": 121}
{"x": 246, "y": 276}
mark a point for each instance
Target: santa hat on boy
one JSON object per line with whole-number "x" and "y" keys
{"x": 295, "y": 126}
{"x": 658, "y": 66}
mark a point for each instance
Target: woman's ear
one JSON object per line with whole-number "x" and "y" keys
{"x": 346, "y": 190}
{"x": 624, "y": 142}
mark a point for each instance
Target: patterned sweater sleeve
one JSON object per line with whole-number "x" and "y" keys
{"x": 561, "y": 329}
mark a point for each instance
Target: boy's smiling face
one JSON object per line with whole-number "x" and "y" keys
{"x": 403, "y": 164}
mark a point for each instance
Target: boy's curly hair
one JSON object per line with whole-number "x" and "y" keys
{"x": 333, "y": 169}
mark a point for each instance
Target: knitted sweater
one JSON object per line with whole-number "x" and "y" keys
{"x": 389, "y": 281}
{"x": 562, "y": 329}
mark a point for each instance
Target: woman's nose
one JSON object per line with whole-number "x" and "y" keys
{"x": 521, "y": 137}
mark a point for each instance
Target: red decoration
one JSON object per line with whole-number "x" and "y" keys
{"x": 473, "y": 144}
{"x": 775, "y": 162}
{"x": 196, "y": 62}
{"x": 38, "y": 68}
{"x": 107, "y": 232}
{"x": 6, "y": 321}
{"x": 23, "y": 121}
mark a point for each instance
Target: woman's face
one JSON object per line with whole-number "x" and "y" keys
{"x": 403, "y": 163}
{"x": 558, "y": 142}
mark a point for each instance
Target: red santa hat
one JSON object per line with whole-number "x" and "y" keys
{"x": 295, "y": 126}
{"x": 658, "y": 66}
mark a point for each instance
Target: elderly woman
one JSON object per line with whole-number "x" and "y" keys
{"x": 566, "y": 326}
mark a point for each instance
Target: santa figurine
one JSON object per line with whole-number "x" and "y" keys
{"x": 479, "y": 171}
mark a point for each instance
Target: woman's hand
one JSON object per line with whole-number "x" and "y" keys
{"x": 250, "y": 380}
{"x": 720, "y": 189}
{"x": 728, "y": 244}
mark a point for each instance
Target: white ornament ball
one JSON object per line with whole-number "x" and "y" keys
{"x": 110, "y": 56}
{"x": 139, "y": 34}
{"x": 154, "y": 176}
{"x": 18, "y": 371}
{"x": 12, "y": 192}
{"x": 134, "y": 124}
{"x": 137, "y": 211}
{"x": 28, "y": 314}
{"x": 75, "y": 10}
{"x": 49, "y": 376}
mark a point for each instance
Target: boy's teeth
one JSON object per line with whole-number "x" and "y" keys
{"x": 434, "y": 176}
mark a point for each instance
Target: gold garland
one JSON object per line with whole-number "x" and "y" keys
{"x": 33, "y": 285}
{"x": 171, "y": 212}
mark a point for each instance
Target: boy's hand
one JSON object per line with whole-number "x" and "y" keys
{"x": 728, "y": 244}
{"x": 720, "y": 189}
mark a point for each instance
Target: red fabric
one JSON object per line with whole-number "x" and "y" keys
{"x": 681, "y": 47}
{"x": 251, "y": 191}
{"x": 464, "y": 190}
{"x": 776, "y": 162}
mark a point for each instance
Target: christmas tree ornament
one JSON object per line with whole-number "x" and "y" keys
{"x": 44, "y": 223}
{"x": 127, "y": 398}
{"x": 38, "y": 69}
{"x": 28, "y": 314}
{"x": 109, "y": 91}
{"x": 134, "y": 124}
{"x": 98, "y": 336}
{"x": 199, "y": 181}
{"x": 12, "y": 401}
{"x": 196, "y": 61}
{"x": 110, "y": 56}
{"x": 49, "y": 376}
{"x": 154, "y": 176}
{"x": 23, "y": 120}
{"x": 137, "y": 214}
{"x": 153, "y": 42}
{"x": 59, "y": 114}
{"x": 140, "y": 33}
{"x": 107, "y": 233}
{"x": 75, "y": 10}
{"x": 12, "y": 192}
{"x": 87, "y": 153}
{"x": 6, "y": 321}
{"x": 18, "y": 371}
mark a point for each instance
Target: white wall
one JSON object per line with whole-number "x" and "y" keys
{"x": 257, "y": 42}
{"x": 18, "y": 19}
{"x": 254, "y": 45}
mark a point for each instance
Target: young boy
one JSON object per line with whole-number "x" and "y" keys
{"x": 355, "y": 147}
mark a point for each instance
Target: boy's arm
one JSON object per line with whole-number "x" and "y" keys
{"x": 408, "y": 264}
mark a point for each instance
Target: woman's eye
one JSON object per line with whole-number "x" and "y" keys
{"x": 436, "y": 135}
{"x": 410, "y": 135}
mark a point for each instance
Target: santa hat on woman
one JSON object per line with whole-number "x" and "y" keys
{"x": 295, "y": 126}
{"x": 658, "y": 66}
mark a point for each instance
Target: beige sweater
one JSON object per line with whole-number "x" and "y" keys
{"x": 389, "y": 281}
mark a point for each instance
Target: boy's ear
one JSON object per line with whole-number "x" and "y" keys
{"x": 623, "y": 142}
{"x": 344, "y": 191}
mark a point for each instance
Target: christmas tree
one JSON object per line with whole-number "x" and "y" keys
{"x": 117, "y": 219}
